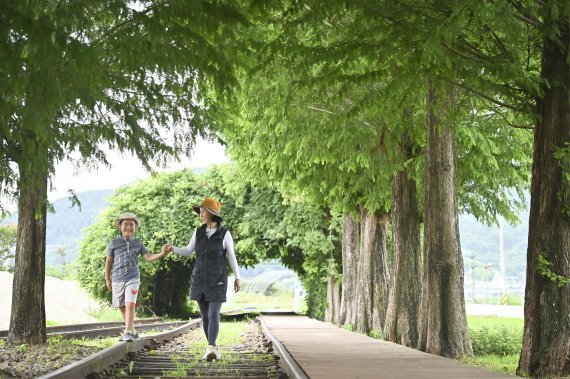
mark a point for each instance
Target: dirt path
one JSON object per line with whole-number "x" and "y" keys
{"x": 66, "y": 302}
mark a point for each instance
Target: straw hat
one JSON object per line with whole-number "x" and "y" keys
{"x": 212, "y": 205}
{"x": 127, "y": 216}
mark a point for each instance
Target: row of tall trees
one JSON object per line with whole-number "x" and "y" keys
{"x": 380, "y": 110}
{"x": 345, "y": 133}
{"x": 417, "y": 111}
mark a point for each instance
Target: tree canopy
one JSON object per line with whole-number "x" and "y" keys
{"x": 263, "y": 223}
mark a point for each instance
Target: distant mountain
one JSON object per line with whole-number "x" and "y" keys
{"x": 480, "y": 244}
{"x": 64, "y": 227}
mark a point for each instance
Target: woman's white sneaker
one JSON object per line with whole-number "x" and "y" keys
{"x": 211, "y": 353}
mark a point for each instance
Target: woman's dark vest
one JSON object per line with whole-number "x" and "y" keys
{"x": 210, "y": 276}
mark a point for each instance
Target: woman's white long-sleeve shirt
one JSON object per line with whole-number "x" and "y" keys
{"x": 228, "y": 244}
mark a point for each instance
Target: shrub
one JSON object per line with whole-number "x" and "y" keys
{"x": 499, "y": 341}
{"x": 316, "y": 297}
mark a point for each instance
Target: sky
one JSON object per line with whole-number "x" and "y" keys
{"x": 126, "y": 169}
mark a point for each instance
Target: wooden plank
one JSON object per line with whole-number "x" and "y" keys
{"x": 324, "y": 350}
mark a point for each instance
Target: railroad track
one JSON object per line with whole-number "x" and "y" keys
{"x": 178, "y": 353}
{"x": 104, "y": 329}
{"x": 178, "y": 358}
{"x": 77, "y": 328}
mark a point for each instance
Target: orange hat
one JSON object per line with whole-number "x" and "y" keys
{"x": 212, "y": 205}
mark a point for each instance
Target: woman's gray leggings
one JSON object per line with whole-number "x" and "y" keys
{"x": 210, "y": 311}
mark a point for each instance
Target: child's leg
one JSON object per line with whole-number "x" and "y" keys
{"x": 131, "y": 293}
{"x": 119, "y": 297}
{"x": 129, "y": 316}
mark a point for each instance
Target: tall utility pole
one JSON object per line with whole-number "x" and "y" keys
{"x": 487, "y": 267}
{"x": 504, "y": 295}
{"x": 473, "y": 275}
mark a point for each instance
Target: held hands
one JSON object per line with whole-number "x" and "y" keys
{"x": 167, "y": 249}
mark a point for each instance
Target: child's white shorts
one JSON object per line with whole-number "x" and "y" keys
{"x": 125, "y": 292}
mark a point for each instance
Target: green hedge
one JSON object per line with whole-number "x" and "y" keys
{"x": 499, "y": 341}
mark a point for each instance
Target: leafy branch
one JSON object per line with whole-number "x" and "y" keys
{"x": 562, "y": 154}
{"x": 543, "y": 268}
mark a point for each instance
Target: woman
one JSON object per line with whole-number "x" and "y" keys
{"x": 213, "y": 244}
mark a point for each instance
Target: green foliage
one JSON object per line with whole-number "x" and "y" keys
{"x": 7, "y": 246}
{"x": 263, "y": 224}
{"x": 543, "y": 266}
{"x": 164, "y": 205}
{"x": 376, "y": 333}
{"x": 495, "y": 336}
{"x": 301, "y": 235}
{"x": 488, "y": 145}
{"x": 313, "y": 120}
{"x": 316, "y": 297}
{"x": 497, "y": 341}
{"x": 80, "y": 75}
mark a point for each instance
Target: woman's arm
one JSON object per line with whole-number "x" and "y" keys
{"x": 230, "y": 254}
{"x": 186, "y": 251}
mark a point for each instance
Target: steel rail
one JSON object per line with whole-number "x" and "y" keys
{"x": 51, "y": 330}
{"x": 288, "y": 363}
{"x": 116, "y": 330}
{"x": 101, "y": 360}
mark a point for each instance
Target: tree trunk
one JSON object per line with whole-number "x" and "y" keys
{"x": 443, "y": 322}
{"x": 404, "y": 301}
{"x": 171, "y": 290}
{"x": 332, "y": 310}
{"x": 372, "y": 275}
{"x": 350, "y": 241}
{"x": 382, "y": 272}
{"x": 546, "y": 338}
{"x": 28, "y": 317}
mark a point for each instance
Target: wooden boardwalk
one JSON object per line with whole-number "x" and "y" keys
{"x": 324, "y": 350}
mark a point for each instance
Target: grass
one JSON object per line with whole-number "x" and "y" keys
{"x": 281, "y": 300}
{"x": 506, "y": 364}
{"x": 490, "y": 332}
{"x": 99, "y": 343}
{"x": 230, "y": 334}
{"x": 106, "y": 314}
{"x": 491, "y": 322}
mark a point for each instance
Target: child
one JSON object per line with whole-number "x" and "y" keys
{"x": 122, "y": 260}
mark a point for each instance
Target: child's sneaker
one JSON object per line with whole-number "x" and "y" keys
{"x": 210, "y": 354}
{"x": 135, "y": 334}
{"x": 128, "y": 337}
